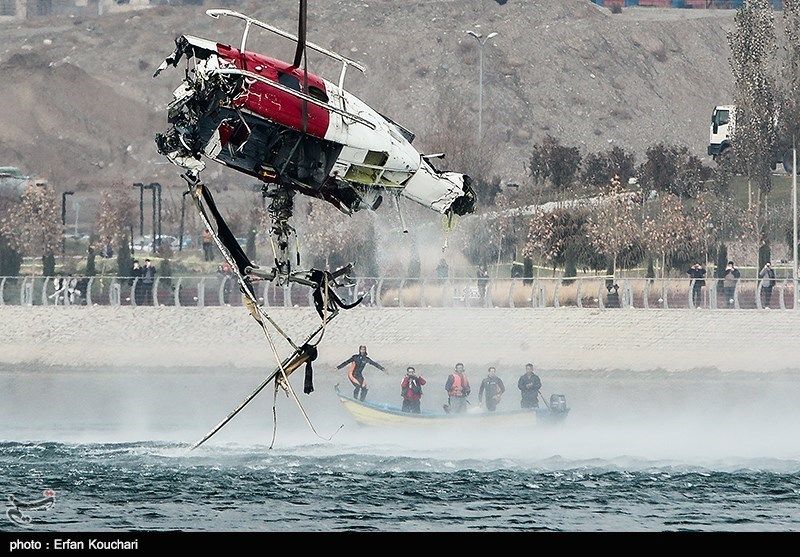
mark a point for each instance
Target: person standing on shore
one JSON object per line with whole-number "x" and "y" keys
{"x": 697, "y": 274}
{"x": 208, "y": 251}
{"x": 148, "y": 279}
{"x": 767, "y": 276}
{"x": 729, "y": 279}
{"x": 136, "y": 282}
{"x": 483, "y": 281}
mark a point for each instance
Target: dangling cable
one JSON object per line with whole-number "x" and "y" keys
{"x": 286, "y": 385}
{"x": 290, "y": 390}
{"x": 274, "y": 416}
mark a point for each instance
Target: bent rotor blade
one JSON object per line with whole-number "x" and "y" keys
{"x": 288, "y": 365}
{"x": 250, "y": 397}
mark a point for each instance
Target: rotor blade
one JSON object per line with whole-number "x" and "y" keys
{"x": 289, "y": 364}
{"x": 301, "y": 34}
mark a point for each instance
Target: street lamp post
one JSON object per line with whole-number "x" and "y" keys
{"x": 141, "y": 208}
{"x": 481, "y": 44}
{"x": 183, "y": 214}
{"x": 64, "y": 218}
{"x": 157, "y": 209}
{"x": 794, "y": 218}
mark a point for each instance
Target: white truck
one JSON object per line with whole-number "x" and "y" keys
{"x": 723, "y": 122}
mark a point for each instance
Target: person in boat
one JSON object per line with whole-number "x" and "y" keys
{"x": 529, "y": 384}
{"x": 458, "y": 389}
{"x": 356, "y": 372}
{"x": 411, "y": 390}
{"x": 492, "y": 386}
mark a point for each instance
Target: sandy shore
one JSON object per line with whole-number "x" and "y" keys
{"x": 639, "y": 340}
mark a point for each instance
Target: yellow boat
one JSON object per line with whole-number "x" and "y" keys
{"x": 384, "y": 415}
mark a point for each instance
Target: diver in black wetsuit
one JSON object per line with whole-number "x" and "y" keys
{"x": 356, "y": 372}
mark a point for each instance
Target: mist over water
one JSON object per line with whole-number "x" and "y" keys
{"x": 637, "y": 451}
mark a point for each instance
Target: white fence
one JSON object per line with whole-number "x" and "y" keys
{"x": 581, "y": 292}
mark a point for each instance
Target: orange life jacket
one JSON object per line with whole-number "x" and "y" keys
{"x": 351, "y": 375}
{"x": 460, "y": 383}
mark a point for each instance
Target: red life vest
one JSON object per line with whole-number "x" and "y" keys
{"x": 460, "y": 383}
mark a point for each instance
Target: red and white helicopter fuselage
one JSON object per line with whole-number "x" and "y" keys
{"x": 275, "y": 121}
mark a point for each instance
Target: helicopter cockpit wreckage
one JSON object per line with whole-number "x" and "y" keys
{"x": 298, "y": 134}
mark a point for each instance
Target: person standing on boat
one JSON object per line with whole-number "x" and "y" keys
{"x": 356, "y": 372}
{"x": 458, "y": 390}
{"x": 411, "y": 390}
{"x": 529, "y": 384}
{"x": 493, "y": 386}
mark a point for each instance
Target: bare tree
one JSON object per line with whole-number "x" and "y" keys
{"x": 115, "y": 215}
{"x": 553, "y": 162}
{"x": 669, "y": 231}
{"x": 483, "y": 239}
{"x": 559, "y": 235}
{"x": 451, "y": 135}
{"x": 33, "y": 225}
{"x": 753, "y": 46}
{"x": 612, "y": 226}
{"x": 789, "y": 122}
{"x": 331, "y": 239}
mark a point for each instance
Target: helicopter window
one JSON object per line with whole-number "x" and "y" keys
{"x": 289, "y": 81}
{"x": 376, "y": 158}
{"x": 317, "y": 93}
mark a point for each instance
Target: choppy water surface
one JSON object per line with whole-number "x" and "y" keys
{"x": 646, "y": 454}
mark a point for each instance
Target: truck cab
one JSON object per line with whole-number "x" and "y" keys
{"x": 722, "y": 123}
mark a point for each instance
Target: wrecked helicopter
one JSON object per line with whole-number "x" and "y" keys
{"x": 298, "y": 134}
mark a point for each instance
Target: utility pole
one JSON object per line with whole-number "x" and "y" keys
{"x": 481, "y": 44}
{"x": 794, "y": 218}
{"x": 183, "y": 214}
{"x": 154, "y": 229}
{"x": 141, "y": 209}
{"x": 64, "y": 219}
{"x": 157, "y": 188}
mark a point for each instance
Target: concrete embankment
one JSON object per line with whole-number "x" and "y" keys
{"x": 612, "y": 339}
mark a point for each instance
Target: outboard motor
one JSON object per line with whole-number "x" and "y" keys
{"x": 558, "y": 403}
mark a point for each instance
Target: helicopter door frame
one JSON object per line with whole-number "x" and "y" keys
{"x": 249, "y": 21}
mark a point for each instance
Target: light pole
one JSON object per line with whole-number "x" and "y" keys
{"x": 183, "y": 214}
{"x": 481, "y": 44}
{"x": 794, "y": 218}
{"x": 141, "y": 209}
{"x": 64, "y": 218}
{"x": 157, "y": 209}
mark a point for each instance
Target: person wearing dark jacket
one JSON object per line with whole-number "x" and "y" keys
{"x": 148, "y": 279}
{"x": 767, "y": 276}
{"x": 411, "y": 391}
{"x": 697, "y": 274}
{"x": 136, "y": 273}
{"x": 730, "y": 276}
{"x": 493, "y": 387}
{"x": 529, "y": 385}
{"x": 483, "y": 281}
{"x": 356, "y": 372}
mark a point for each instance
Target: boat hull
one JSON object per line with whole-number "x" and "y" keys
{"x": 381, "y": 415}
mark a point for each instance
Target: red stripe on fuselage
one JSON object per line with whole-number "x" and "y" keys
{"x": 274, "y": 104}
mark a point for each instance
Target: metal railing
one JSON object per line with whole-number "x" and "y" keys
{"x": 581, "y": 292}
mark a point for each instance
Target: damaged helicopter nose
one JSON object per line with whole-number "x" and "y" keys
{"x": 465, "y": 203}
